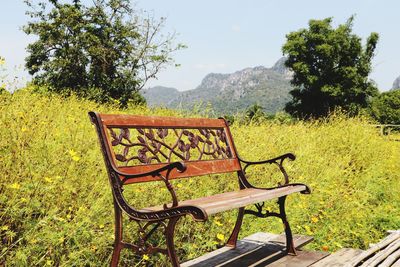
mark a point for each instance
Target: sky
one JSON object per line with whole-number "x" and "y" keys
{"x": 226, "y": 36}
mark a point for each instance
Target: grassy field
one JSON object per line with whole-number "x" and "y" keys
{"x": 56, "y": 206}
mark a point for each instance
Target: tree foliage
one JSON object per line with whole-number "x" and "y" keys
{"x": 331, "y": 69}
{"x": 105, "y": 51}
{"x": 385, "y": 108}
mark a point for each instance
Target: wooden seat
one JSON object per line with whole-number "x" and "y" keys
{"x": 236, "y": 199}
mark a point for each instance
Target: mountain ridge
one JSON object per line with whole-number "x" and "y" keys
{"x": 232, "y": 92}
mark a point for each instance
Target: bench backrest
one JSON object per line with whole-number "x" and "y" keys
{"x": 139, "y": 144}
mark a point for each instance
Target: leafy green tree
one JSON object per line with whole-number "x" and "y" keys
{"x": 255, "y": 113}
{"x": 385, "y": 108}
{"x": 331, "y": 69}
{"x": 106, "y": 51}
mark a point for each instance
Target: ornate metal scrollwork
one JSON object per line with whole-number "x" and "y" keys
{"x": 262, "y": 213}
{"x": 164, "y": 145}
{"x": 142, "y": 246}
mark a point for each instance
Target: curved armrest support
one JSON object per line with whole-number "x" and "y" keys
{"x": 270, "y": 161}
{"x": 278, "y": 161}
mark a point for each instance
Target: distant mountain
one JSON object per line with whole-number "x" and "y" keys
{"x": 160, "y": 96}
{"x": 230, "y": 93}
{"x": 396, "y": 83}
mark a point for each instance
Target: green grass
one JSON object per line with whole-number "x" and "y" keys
{"x": 56, "y": 205}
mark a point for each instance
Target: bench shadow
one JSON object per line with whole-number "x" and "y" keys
{"x": 246, "y": 253}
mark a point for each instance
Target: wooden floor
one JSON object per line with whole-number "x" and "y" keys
{"x": 265, "y": 249}
{"x": 260, "y": 249}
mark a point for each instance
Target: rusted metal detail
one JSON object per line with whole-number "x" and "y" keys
{"x": 277, "y": 161}
{"x": 261, "y": 213}
{"x": 135, "y": 146}
{"x": 232, "y": 241}
{"x": 169, "y": 235}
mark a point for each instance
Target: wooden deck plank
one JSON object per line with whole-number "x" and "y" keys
{"x": 303, "y": 259}
{"x": 262, "y": 248}
{"x": 367, "y": 256}
{"x": 244, "y": 246}
{"x": 339, "y": 258}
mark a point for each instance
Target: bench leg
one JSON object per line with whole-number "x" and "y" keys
{"x": 169, "y": 234}
{"x": 118, "y": 236}
{"x": 289, "y": 236}
{"x": 232, "y": 241}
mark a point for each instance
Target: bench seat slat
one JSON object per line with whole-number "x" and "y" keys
{"x": 236, "y": 199}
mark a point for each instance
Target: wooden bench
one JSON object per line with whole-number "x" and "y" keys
{"x": 141, "y": 149}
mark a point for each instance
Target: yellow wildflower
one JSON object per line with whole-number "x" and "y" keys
{"x": 48, "y": 179}
{"x": 15, "y": 186}
{"x": 74, "y": 155}
{"x": 2, "y": 61}
{"x": 72, "y": 152}
{"x": 179, "y": 185}
{"x": 23, "y": 129}
{"x": 218, "y": 223}
{"x": 145, "y": 257}
{"x": 220, "y": 237}
{"x": 4, "y": 228}
{"x": 101, "y": 226}
{"x": 314, "y": 219}
{"x": 308, "y": 230}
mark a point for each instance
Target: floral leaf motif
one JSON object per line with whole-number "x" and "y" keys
{"x": 187, "y": 147}
{"x": 181, "y": 145}
{"x": 126, "y": 151}
{"x": 141, "y": 140}
{"x": 115, "y": 142}
{"x": 193, "y": 139}
{"x": 162, "y": 132}
{"x": 152, "y": 146}
{"x": 150, "y": 134}
{"x": 113, "y": 134}
{"x": 120, "y": 157}
{"x": 142, "y": 155}
{"x": 125, "y": 133}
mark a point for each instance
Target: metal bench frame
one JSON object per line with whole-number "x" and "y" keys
{"x": 223, "y": 158}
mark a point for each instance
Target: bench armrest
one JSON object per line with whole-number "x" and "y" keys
{"x": 277, "y": 160}
{"x": 270, "y": 161}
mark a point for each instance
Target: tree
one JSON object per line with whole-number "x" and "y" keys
{"x": 255, "y": 113}
{"x": 105, "y": 51}
{"x": 385, "y": 108}
{"x": 331, "y": 69}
